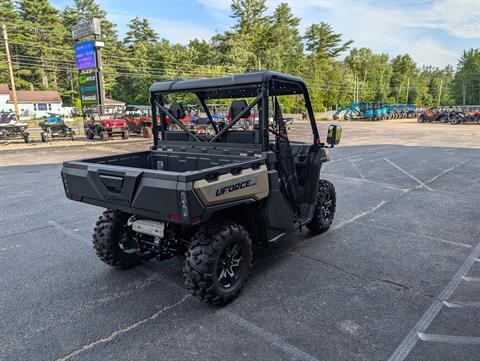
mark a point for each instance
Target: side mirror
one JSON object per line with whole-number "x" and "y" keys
{"x": 334, "y": 135}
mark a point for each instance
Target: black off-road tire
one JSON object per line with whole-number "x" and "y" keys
{"x": 125, "y": 135}
{"x": 455, "y": 120}
{"x": 110, "y": 229}
{"x": 421, "y": 119}
{"x": 90, "y": 135}
{"x": 326, "y": 201}
{"x": 202, "y": 263}
{"x": 104, "y": 136}
{"x": 147, "y": 132}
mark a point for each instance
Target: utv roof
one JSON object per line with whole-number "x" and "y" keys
{"x": 251, "y": 78}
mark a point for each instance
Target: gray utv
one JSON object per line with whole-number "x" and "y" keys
{"x": 209, "y": 196}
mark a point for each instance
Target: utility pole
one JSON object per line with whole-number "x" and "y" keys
{"x": 354, "y": 87}
{"x": 440, "y": 93}
{"x": 408, "y": 88}
{"x": 358, "y": 89}
{"x": 10, "y": 71}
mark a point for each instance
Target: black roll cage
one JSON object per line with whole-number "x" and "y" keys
{"x": 260, "y": 90}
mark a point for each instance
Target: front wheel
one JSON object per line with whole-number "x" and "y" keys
{"x": 90, "y": 134}
{"x": 324, "y": 209}
{"x": 218, "y": 262}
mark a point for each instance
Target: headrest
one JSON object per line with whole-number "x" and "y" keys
{"x": 177, "y": 110}
{"x": 237, "y": 107}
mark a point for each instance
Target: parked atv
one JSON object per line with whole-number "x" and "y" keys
{"x": 54, "y": 126}
{"x": 105, "y": 126}
{"x": 434, "y": 115}
{"x": 472, "y": 116}
{"x": 210, "y": 197}
{"x": 139, "y": 120}
{"x": 10, "y": 127}
{"x": 456, "y": 117}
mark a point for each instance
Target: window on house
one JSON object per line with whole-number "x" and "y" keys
{"x": 42, "y": 106}
{"x": 49, "y": 106}
{"x": 35, "y": 106}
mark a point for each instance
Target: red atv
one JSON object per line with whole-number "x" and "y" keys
{"x": 139, "y": 119}
{"x": 109, "y": 124}
{"x": 472, "y": 116}
{"x": 434, "y": 115}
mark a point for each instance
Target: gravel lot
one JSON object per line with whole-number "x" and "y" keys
{"x": 396, "y": 278}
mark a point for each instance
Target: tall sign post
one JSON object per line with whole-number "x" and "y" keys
{"x": 89, "y": 63}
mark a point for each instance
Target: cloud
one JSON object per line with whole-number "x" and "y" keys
{"x": 399, "y": 29}
{"x": 458, "y": 18}
{"x": 394, "y": 27}
{"x": 216, "y": 5}
{"x": 180, "y": 31}
{"x": 428, "y": 52}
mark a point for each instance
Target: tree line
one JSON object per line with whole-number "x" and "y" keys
{"x": 43, "y": 58}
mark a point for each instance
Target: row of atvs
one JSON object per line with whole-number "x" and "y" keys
{"x": 52, "y": 126}
{"x": 452, "y": 115}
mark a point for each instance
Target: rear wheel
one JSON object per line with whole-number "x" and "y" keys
{"x": 455, "y": 120}
{"x": 115, "y": 242}
{"x": 26, "y": 137}
{"x": 72, "y": 135}
{"x": 218, "y": 262}
{"x": 324, "y": 209}
{"x": 421, "y": 119}
{"x": 147, "y": 132}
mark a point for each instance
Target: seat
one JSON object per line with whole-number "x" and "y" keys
{"x": 237, "y": 107}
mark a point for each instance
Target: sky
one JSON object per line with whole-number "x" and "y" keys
{"x": 434, "y": 32}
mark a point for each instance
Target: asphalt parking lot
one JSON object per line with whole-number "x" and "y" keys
{"x": 396, "y": 278}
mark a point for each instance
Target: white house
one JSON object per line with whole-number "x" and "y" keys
{"x": 34, "y": 103}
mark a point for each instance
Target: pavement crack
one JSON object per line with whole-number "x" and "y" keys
{"x": 362, "y": 276}
{"x": 25, "y": 232}
{"x": 119, "y": 332}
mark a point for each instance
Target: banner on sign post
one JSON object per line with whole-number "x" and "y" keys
{"x": 85, "y": 55}
{"x": 88, "y": 88}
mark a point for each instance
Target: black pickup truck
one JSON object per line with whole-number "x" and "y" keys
{"x": 209, "y": 196}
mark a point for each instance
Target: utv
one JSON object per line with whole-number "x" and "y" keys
{"x": 209, "y": 197}
{"x": 105, "y": 122}
{"x": 139, "y": 120}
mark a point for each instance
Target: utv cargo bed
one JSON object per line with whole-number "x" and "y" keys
{"x": 149, "y": 183}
